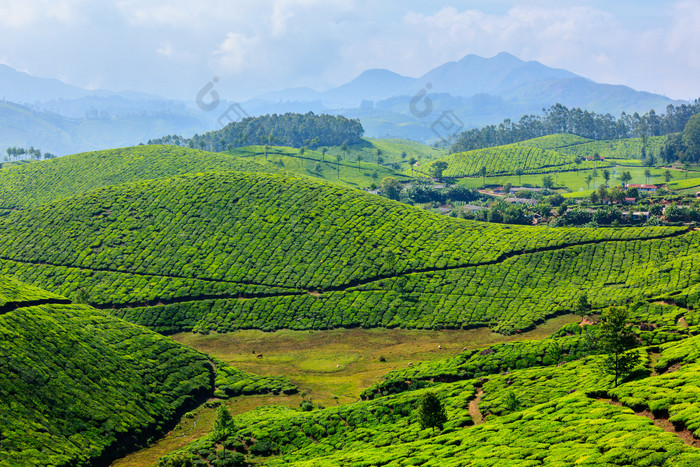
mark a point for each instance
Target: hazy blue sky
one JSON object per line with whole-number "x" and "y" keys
{"x": 174, "y": 47}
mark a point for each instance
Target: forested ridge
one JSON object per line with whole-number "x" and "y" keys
{"x": 560, "y": 119}
{"x": 290, "y": 129}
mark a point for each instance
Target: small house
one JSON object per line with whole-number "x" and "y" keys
{"x": 642, "y": 187}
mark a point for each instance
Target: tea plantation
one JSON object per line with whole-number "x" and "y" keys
{"x": 560, "y": 414}
{"x": 231, "y": 250}
{"x": 628, "y": 148}
{"x": 80, "y": 387}
{"x": 34, "y": 184}
{"x": 118, "y": 244}
{"x": 507, "y": 159}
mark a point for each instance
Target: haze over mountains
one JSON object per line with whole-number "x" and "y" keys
{"x": 64, "y": 119}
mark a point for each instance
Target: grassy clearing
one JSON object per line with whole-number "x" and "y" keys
{"x": 341, "y": 363}
{"x": 310, "y": 359}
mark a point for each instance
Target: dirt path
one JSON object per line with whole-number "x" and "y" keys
{"x": 474, "y": 411}
{"x": 683, "y": 434}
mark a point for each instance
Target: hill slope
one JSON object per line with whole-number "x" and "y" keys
{"x": 42, "y": 182}
{"x": 233, "y": 250}
{"x": 78, "y": 386}
{"x": 507, "y": 159}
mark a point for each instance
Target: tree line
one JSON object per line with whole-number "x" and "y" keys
{"x": 291, "y": 129}
{"x": 16, "y": 153}
{"x": 560, "y": 119}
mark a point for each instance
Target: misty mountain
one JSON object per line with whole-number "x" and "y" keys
{"x": 454, "y": 96}
{"x": 22, "y": 126}
{"x": 20, "y": 87}
{"x": 476, "y": 90}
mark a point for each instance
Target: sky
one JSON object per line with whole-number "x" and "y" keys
{"x": 174, "y": 48}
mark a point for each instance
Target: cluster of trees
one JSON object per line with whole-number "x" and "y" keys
{"x": 421, "y": 193}
{"x": 16, "y": 153}
{"x": 560, "y": 119}
{"x": 684, "y": 147}
{"x": 291, "y": 129}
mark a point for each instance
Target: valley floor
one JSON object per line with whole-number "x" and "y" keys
{"x": 329, "y": 367}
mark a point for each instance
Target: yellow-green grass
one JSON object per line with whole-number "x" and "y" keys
{"x": 334, "y": 366}
{"x": 576, "y": 181}
{"x": 201, "y": 423}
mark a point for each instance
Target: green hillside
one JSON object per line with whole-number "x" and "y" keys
{"x": 507, "y": 159}
{"x": 78, "y": 385}
{"x": 37, "y": 183}
{"x": 335, "y": 166}
{"x": 231, "y": 251}
{"x": 391, "y": 151}
{"x": 81, "y": 387}
{"x": 625, "y": 149}
{"x": 550, "y": 154}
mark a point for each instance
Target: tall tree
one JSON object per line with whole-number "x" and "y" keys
{"x": 412, "y": 162}
{"x": 519, "y": 172}
{"x": 224, "y": 426}
{"x": 391, "y": 188}
{"x": 668, "y": 175}
{"x": 431, "y": 413}
{"x": 437, "y": 168}
{"x": 548, "y": 181}
{"x": 582, "y": 305}
{"x": 691, "y": 137}
{"x": 617, "y": 340}
{"x": 626, "y": 177}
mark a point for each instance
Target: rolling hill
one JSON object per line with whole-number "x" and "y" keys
{"x": 231, "y": 250}
{"x": 35, "y": 184}
{"x": 502, "y": 160}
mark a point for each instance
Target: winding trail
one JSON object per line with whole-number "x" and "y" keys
{"x": 682, "y": 432}
{"x": 474, "y": 411}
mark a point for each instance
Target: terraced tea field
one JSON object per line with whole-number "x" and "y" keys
{"x": 216, "y": 252}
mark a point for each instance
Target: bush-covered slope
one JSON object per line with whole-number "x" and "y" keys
{"x": 42, "y": 182}
{"x": 14, "y": 294}
{"x": 502, "y": 160}
{"x": 226, "y": 251}
{"x": 572, "y": 145}
{"x": 79, "y": 386}
{"x": 339, "y": 168}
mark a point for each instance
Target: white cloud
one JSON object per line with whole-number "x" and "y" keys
{"x": 261, "y": 45}
{"x": 23, "y": 14}
{"x": 236, "y": 54}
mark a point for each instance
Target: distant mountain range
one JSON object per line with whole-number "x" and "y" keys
{"x": 471, "y": 92}
{"x": 478, "y": 90}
